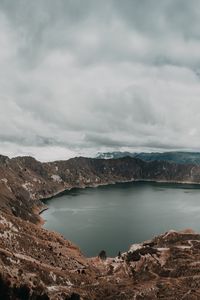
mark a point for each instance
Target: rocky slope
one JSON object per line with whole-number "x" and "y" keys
{"x": 38, "y": 264}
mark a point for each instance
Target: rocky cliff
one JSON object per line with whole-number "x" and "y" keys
{"x": 38, "y": 264}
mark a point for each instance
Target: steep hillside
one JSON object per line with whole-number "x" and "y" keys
{"x": 37, "y": 264}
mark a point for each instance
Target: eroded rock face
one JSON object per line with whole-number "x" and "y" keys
{"x": 39, "y": 264}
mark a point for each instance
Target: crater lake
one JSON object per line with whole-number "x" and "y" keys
{"x": 113, "y": 217}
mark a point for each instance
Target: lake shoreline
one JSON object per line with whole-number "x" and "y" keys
{"x": 39, "y": 210}
{"x": 144, "y": 209}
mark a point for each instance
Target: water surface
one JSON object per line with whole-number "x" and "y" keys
{"x": 114, "y": 217}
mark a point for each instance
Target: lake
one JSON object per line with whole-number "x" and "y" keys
{"x": 113, "y": 217}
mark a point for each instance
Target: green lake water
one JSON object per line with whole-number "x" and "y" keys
{"x": 113, "y": 217}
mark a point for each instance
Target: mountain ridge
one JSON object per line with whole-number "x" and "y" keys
{"x": 180, "y": 157}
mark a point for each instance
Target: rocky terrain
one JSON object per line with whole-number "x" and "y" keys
{"x": 38, "y": 264}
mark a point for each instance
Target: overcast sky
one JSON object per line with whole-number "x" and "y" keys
{"x": 78, "y": 77}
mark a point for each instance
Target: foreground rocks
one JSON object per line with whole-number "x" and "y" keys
{"x": 42, "y": 265}
{"x": 39, "y": 264}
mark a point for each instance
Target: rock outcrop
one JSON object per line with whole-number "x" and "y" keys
{"x": 39, "y": 264}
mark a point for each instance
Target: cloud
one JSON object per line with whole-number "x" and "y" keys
{"x": 81, "y": 77}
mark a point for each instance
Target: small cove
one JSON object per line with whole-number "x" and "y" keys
{"x": 115, "y": 216}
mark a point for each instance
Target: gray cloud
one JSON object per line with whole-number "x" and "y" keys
{"x": 78, "y": 77}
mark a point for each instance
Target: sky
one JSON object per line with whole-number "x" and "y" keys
{"x": 80, "y": 77}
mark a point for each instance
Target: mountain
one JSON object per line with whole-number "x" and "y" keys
{"x": 177, "y": 157}
{"x": 39, "y": 264}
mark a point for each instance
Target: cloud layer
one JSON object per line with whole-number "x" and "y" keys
{"x": 78, "y": 77}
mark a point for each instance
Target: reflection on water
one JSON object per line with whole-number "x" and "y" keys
{"x": 115, "y": 216}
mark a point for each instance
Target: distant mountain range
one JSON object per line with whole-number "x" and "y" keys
{"x": 177, "y": 157}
